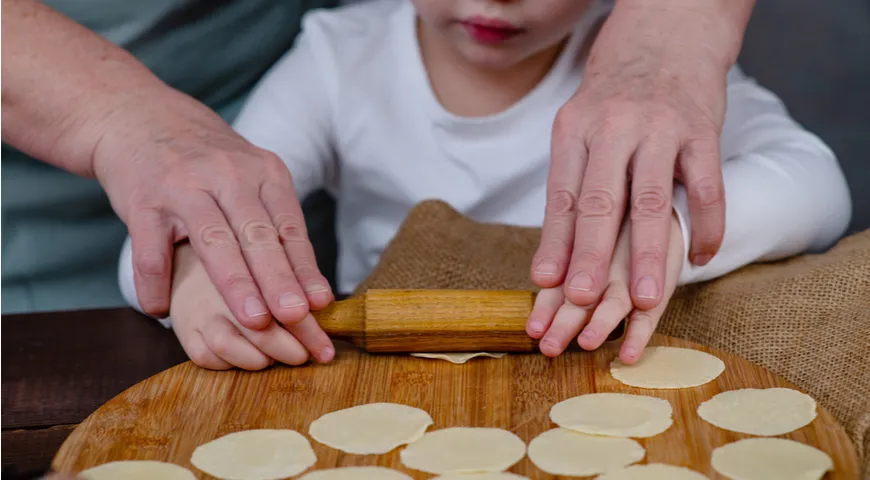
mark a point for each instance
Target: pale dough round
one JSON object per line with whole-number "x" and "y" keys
{"x": 770, "y": 459}
{"x": 614, "y": 415}
{"x": 653, "y": 471}
{"x": 565, "y": 452}
{"x": 668, "y": 367}
{"x": 137, "y": 470}
{"x": 374, "y": 428}
{"x": 767, "y": 412}
{"x": 356, "y": 473}
{"x": 457, "y": 358}
{"x": 482, "y": 476}
{"x": 255, "y": 455}
{"x": 464, "y": 450}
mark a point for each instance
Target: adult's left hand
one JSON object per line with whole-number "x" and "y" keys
{"x": 649, "y": 110}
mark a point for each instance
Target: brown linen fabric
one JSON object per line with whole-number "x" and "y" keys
{"x": 806, "y": 319}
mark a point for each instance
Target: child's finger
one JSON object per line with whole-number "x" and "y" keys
{"x": 196, "y": 349}
{"x": 225, "y": 341}
{"x": 276, "y": 342}
{"x": 308, "y": 332}
{"x": 640, "y": 329}
{"x": 547, "y": 304}
{"x": 615, "y": 307}
{"x": 566, "y": 325}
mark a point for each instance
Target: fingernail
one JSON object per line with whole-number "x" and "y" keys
{"x": 581, "y": 281}
{"x": 315, "y": 288}
{"x": 702, "y": 259}
{"x": 536, "y": 327}
{"x": 289, "y": 300}
{"x": 647, "y": 288}
{"x": 588, "y": 335}
{"x": 546, "y": 267}
{"x": 630, "y": 352}
{"x": 254, "y": 307}
{"x": 326, "y": 354}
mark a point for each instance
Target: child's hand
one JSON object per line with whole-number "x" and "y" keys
{"x": 556, "y": 322}
{"x": 214, "y": 339}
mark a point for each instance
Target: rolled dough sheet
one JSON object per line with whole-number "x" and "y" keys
{"x": 653, "y": 471}
{"x": 457, "y": 358}
{"x": 137, "y": 470}
{"x": 374, "y": 428}
{"x": 482, "y": 476}
{"x": 565, "y": 452}
{"x": 356, "y": 473}
{"x": 766, "y": 412}
{"x": 668, "y": 367}
{"x": 464, "y": 450}
{"x": 255, "y": 455}
{"x": 614, "y": 415}
{"x": 770, "y": 459}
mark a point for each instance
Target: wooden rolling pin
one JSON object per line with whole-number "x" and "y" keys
{"x": 404, "y": 321}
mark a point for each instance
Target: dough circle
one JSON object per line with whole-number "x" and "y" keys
{"x": 482, "y": 476}
{"x": 137, "y": 470}
{"x": 464, "y": 450}
{"x": 457, "y": 358}
{"x": 770, "y": 459}
{"x": 653, "y": 471}
{"x": 373, "y": 428}
{"x": 356, "y": 473}
{"x": 614, "y": 415}
{"x": 766, "y": 412}
{"x": 668, "y": 367}
{"x": 255, "y": 455}
{"x": 565, "y": 452}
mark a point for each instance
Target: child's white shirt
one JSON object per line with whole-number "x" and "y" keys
{"x": 350, "y": 109}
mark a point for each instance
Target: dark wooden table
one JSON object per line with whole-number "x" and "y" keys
{"x": 57, "y": 368}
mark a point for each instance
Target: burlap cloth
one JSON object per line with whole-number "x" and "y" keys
{"x": 807, "y": 318}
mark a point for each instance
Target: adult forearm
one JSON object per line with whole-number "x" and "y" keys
{"x": 717, "y": 26}
{"x": 64, "y": 86}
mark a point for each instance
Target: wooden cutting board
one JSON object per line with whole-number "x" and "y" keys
{"x": 166, "y": 416}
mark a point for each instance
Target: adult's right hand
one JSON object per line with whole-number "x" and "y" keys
{"x": 172, "y": 169}
{"x": 189, "y": 175}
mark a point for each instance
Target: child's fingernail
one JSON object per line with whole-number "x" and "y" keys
{"x": 630, "y": 352}
{"x": 546, "y": 267}
{"x": 647, "y": 288}
{"x": 315, "y": 288}
{"x": 327, "y": 354}
{"x": 581, "y": 281}
{"x": 289, "y": 300}
{"x": 588, "y": 335}
{"x": 254, "y": 307}
{"x": 536, "y": 327}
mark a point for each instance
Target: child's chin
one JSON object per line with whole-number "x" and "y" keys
{"x": 491, "y": 57}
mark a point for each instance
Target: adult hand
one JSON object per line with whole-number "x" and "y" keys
{"x": 190, "y": 175}
{"x": 650, "y": 109}
{"x": 172, "y": 168}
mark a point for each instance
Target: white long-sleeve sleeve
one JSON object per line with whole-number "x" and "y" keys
{"x": 784, "y": 190}
{"x": 288, "y": 113}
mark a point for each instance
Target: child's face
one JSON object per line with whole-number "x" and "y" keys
{"x": 501, "y": 33}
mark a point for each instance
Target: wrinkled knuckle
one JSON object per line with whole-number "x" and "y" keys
{"x": 596, "y": 203}
{"x": 258, "y": 235}
{"x": 555, "y": 245}
{"x": 221, "y": 343}
{"x": 620, "y": 300}
{"x": 238, "y": 281}
{"x": 217, "y": 236}
{"x": 651, "y": 202}
{"x": 291, "y": 230}
{"x": 305, "y": 269}
{"x": 561, "y": 202}
{"x": 649, "y": 255}
{"x": 588, "y": 257}
{"x": 644, "y": 319}
{"x": 707, "y": 193}
{"x": 567, "y": 121}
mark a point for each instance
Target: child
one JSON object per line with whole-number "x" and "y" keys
{"x": 389, "y": 103}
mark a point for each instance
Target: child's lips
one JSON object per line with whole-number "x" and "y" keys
{"x": 492, "y": 31}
